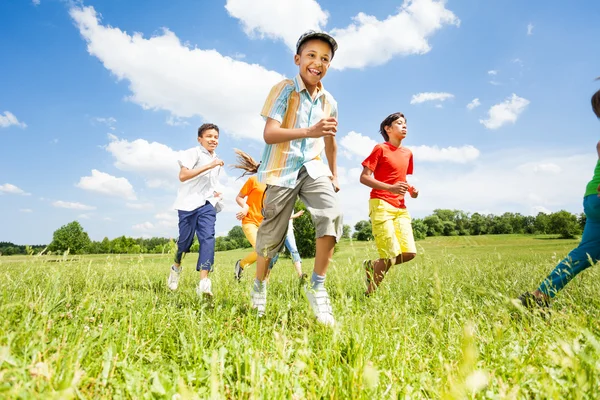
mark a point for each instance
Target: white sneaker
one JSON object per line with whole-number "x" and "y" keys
{"x": 204, "y": 288}
{"x": 319, "y": 301}
{"x": 259, "y": 299}
{"x": 173, "y": 281}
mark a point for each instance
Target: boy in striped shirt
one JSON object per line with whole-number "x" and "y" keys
{"x": 301, "y": 123}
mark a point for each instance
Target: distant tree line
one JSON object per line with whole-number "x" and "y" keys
{"x": 442, "y": 222}
{"x": 459, "y": 223}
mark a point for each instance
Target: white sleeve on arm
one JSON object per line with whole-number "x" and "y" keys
{"x": 188, "y": 158}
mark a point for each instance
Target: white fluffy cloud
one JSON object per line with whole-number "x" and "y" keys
{"x": 430, "y": 96}
{"x": 493, "y": 72}
{"x": 72, "y": 205}
{"x": 459, "y": 155}
{"x": 474, "y": 104}
{"x": 103, "y": 183}
{"x": 165, "y": 74}
{"x": 540, "y": 168}
{"x": 276, "y": 19}
{"x": 506, "y": 112}
{"x": 36, "y": 2}
{"x": 365, "y": 42}
{"x": 358, "y": 144}
{"x": 12, "y": 189}
{"x": 362, "y": 146}
{"x": 26, "y": 210}
{"x": 8, "y": 119}
{"x": 152, "y": 160}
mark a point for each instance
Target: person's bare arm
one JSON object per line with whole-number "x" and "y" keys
{"x": 331, "y": 154}
{"x": 367, "y": 179}
{"x": 185, "y": 174}
{"x": 241, "y": 200}
{"x": 274, "y": 133}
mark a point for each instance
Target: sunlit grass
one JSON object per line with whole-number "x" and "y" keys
{"x": 441, "y": 326}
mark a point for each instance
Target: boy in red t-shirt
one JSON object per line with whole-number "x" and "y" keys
{"x": 385, "y": 172}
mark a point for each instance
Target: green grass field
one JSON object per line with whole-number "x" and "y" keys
{"x": 441, "y": 326}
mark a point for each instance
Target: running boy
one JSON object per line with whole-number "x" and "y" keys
{"x": 587, "y": 253}
{"x": 385, "y": 172}
{"x": 301, "y": 123}
{"x": 197, "y": 204}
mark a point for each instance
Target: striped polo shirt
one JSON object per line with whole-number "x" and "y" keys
{"x": 290, "y": 104}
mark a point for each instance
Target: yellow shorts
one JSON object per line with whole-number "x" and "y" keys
{"x": 392, "y": 229}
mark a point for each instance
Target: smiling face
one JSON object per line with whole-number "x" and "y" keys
{"x": 209, "y": 139}
{"x": 313, "y": 62}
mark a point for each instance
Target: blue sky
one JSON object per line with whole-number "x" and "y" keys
{"x": 97, "y": 98}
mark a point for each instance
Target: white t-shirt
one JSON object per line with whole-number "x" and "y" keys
{"x": 195, "y": 192}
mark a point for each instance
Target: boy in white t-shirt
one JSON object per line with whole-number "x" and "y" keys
{"x": 197, "y": 204}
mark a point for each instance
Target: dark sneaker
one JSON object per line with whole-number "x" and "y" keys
{"x": 238, "y": 270}
{"x": 529, "y": 300}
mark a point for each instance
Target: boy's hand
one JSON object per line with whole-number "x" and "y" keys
{"x": 414, "y": 193}
{"x": 217, "y": 163}
{"x": 335, "y": 183}
{"x": 217, "y": 194}
{"x": 399, "y": 188}
{"x": 325, "y": 127}
{"x": 598, "y": 189}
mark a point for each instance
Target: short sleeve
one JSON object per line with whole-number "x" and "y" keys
{"x": 276, "y": 104}
{"x": 248, "y": 186}
{"x": 409, "y": 170}
{"x": 189, "y": 158}
{"x": 373, "y": 159}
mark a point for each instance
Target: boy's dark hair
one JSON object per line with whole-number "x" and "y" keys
{"x": 596, "y": 102}
{"x": 388, "y": 121}
{"x": 206, "y": 127}
{"x": 245, "y": 162}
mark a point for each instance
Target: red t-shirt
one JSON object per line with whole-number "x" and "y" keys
{"x": 389, "y": 165}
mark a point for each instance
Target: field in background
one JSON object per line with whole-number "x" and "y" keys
{"x": 440, "y": 326}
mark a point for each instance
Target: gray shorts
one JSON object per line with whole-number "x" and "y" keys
{"x": 278, "y": 205}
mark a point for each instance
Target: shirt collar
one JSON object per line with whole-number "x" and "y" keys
{"x": 300, "y": 86}
{"x": 202, "y": 149}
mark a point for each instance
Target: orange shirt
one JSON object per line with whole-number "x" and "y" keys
{"x": 389, "y": 165}
{"x": 253, "y": 190}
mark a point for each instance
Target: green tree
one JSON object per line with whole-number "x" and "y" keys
{"x": 435, "y": 226}
{"x": 419, "y": 229}
{"x": 479, "y": 224}
{"x": 542, "y": 223}
{"x": 70, "y": 236}
{"x": 565, "y": 224}
{"x": 238, "y": 238}
{"x": 304, "y": 230}
{"x": 346, "y": 231}
{"x": 363, "y": 231}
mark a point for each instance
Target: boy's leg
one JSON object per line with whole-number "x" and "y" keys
{"x": 187, "y": 225}
{"x": 404, "y": 235}
{"x": 184, "y": 242}
{"x": 278, "y": 205}
{"x": 386, "y": 240}
{"x": 580, "y": 258}
{"x": 205, "y": 229}
{"x": 320, "y": 200}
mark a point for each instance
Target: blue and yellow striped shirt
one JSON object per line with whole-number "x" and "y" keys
{"x": 290, "y": 104}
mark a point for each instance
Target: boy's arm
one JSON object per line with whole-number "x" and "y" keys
{"x": 367, "y": 179}
{"x": 185, "y": 174}
{"x": 297, "y": 215}
{"x": 331, "y": 153}
{"x": 274, "y": 133}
